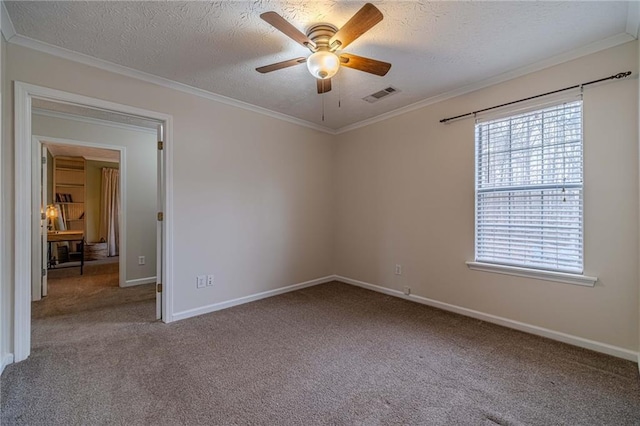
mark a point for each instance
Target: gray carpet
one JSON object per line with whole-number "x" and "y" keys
{"x": 97, "y": 288}
{"x": 330, "y": 354}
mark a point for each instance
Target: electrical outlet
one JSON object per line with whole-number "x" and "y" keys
{"x": 141, "y": 260}
{"x": 201, "y": 281}
{"x": 398, "y": 269}
{"x": 407, "y": 290}
{"x": 209, "y": 280}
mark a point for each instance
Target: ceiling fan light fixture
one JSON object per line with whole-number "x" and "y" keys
{"x": 324, "y": 39}
{"x": 323, "y": 64}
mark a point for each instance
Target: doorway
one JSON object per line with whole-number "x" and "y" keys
{"x": 25, "y": 96}
{"x": 70, "y": 205}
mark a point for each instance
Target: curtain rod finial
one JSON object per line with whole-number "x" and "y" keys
{"x": 623, "y": 74}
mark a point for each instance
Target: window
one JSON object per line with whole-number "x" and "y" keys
{"x": 529, "y": 189}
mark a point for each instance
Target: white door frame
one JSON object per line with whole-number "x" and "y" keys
{"x": 43, "y": 253}
{"x": 122, "y": 221}
{"x": 23, "y": 95}
{"x": 159, "y": 202}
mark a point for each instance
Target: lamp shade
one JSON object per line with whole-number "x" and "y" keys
{"x": 323, "y": 64}
{"x": 51, "y": 211}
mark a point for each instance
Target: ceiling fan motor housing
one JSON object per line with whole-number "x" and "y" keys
{"x": 320, "y": 34}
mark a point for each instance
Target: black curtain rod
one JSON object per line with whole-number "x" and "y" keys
{"x": 613, "y": 77}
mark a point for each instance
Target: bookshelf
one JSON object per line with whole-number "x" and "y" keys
{"x": 69, "y": 190}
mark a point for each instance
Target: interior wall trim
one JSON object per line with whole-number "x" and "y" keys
{"x": 6, "y": 360}
{"x": 510, "y": 75}
{"x": 251, "y": 298}
{"x": 505, "y": 322}
{"x": 139, "y": 281}
{"x": 633, "y": 18}
{"x": 7, "y": 28}
{"x": 23, "y": 94}
{"x": 159, "y": 81}
{"x": 13, "y": 37}
{"x": 101, "y": 159}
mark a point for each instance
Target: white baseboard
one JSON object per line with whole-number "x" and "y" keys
{"x": 251, "y": 298}
{"x": 139, "y": 281}
{"x": 517, "y": 325}
{"x": 6, "y": 360}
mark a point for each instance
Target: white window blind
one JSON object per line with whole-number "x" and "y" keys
{"x": 529, "y": 189}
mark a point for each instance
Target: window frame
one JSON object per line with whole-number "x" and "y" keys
{"x": 521, "y": 270}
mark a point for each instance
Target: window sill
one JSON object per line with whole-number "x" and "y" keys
{"x": 561, "y": 277}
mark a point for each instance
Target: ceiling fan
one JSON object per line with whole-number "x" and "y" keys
{"x": 324, "y": 40}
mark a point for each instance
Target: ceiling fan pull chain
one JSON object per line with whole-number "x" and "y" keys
{"x": 322, "y": 107}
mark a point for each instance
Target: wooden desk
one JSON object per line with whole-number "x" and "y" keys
{"x": 67, "y": 236}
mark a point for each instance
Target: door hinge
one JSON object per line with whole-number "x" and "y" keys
{"x": 160, "y": 145}
{"x": 160, "y": 216}
{"x": 44, "y": 272}
{"x": 159, "y": 287}
{"x": 44, "y": 160}
{"x": 43, "y": 216}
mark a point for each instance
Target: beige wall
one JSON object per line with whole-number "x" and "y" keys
{"x": 252, "y": 194}
{"x": 263, "y": 203}
{"x": 140, "y": 184}
{"x": 406, "y": 196}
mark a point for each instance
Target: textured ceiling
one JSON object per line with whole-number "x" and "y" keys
{"x": 434, "y": 47}
{"x": 87, "y": 152}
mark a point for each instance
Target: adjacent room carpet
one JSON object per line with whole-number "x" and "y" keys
{"x": 329, "y": 354}
{"x": 97, "y": 288}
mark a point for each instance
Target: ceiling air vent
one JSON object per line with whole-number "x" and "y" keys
{"x": 375, "y": 97}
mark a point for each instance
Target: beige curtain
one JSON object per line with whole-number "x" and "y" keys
{"x": 109, "y": 226}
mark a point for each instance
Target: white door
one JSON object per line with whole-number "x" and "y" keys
{"x": 44, "y": 221}
{"x": 159, "y": 280}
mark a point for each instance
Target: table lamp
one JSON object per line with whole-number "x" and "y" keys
{"x": 52, "y": 213}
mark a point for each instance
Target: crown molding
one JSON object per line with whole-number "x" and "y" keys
{"x": 546, "y": 63}
{"x": 60, "y": 52}
{"x": 101, "y": 159}
{"x": 63, "y": 53}
{"x": 6, "y": 25}
{"x": 92, "y": 120}
{"x": 633, "y": 19}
